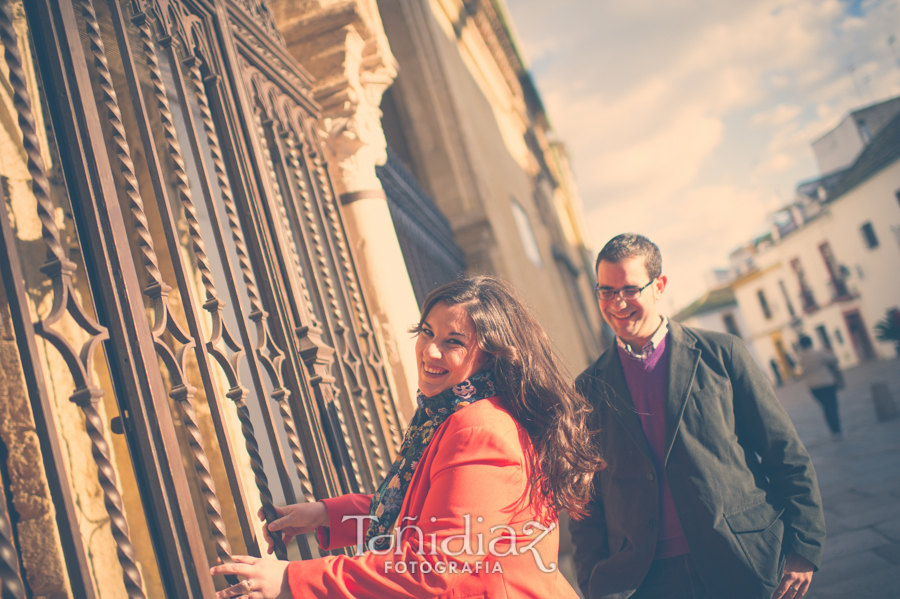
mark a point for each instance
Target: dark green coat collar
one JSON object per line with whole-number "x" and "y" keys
{"x": 683, "y": 360}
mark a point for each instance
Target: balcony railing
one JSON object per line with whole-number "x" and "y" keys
{"x": 808, "y": 301}
{"x": 840, "y": 292}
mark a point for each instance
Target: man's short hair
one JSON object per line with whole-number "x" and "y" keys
{"x": 805, "y": 341}
{"x": 630, "y": 245}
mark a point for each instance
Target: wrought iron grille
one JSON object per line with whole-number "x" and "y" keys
{"x": 182, "y": 308}
{"x": 429, "y": 249}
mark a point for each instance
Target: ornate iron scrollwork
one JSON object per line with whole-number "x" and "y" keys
{"x": 259, "y": 11}
{"x": 363, "y": 328}
{"x": 265, "y": 349}
{"x": 59, "y": 269}
{"x": 261, "y": 228}
{"x": 157, "y": 290}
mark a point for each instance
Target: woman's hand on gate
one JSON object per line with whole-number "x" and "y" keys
{"x": 293, "y": 520}
{"x": 263, "y": 578}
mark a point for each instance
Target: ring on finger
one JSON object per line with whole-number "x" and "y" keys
{"x": 246, "y": 584}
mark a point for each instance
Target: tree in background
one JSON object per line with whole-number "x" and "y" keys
{"x": 888, "y": 328}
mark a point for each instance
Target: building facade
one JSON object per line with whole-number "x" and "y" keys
{"x": 206, "y": 287}
{"x": 827, "y": 268}
{"x": 431, "y": 104}
{"x": 716, "y": 310}
{"x": 840, "y": 147}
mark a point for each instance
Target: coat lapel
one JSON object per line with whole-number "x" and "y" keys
{"x": 619, "y": 399}
{"x": 683, "y": 361}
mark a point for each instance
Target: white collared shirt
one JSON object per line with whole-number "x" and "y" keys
{"x": 648, "y": 347}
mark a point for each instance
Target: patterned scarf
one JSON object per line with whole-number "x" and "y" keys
{"x": 431, "y": 413}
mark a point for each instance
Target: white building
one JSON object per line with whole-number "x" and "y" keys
{"x": 829, "y": 268}
{"x": 839, "y": 148}
{"x": 717, "y": 310}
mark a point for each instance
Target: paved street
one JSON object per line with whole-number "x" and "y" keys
{"x": 860, "y": 482}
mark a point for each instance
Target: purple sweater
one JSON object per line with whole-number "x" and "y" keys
{"x": 647, "y": 382}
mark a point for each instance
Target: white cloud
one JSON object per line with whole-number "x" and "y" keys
{"x": 776, "y": 163}
{"x": 779, "y": 115}
{"x": 853, "y": 24}
{"x": 723, "y": 69}
{"x": 673, "y": 152}
{"x": 689, "y": 120}
{"x": 695, "y": 232}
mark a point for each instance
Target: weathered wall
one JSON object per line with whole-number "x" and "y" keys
{"x": 478, "y": 148}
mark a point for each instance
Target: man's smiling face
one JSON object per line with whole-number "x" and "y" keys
{"x": 635, "y": 320}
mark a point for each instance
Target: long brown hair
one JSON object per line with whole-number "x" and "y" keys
{"x": 531, "y": 384}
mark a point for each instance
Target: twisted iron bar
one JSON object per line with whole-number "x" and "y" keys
{"x": 257, "y": 315}
{"x": 324, "y": 185}
{"x": 123, "y": 154}
{"x": 345, "y": 432}
{"x": 237, "y": 234}
{"x": 183, "y": 395}
{"x": 273, "y": 363}
{"x": 309, "y": 213}
{"x": 157, "y": 290}
{"x": 281, "y": 394}
{"x": 184, "y": 392}
{"x": 283, "y": 215}
{"x": 294, "y": 442}
{"x": 371, "y": 347}
{"x": 112, "y": 498}
{"x": 262, "y": 482}
{"x": 335, "y": 391}
{"x": 371, "y": 437}
{"x": 11, "y": 585}
{"x": 349, "y": 276}
{"x": 358, "y": 391}
{"x": 321, "y": 261}
{"x": 181, "y": 181}
{"x": 40, "y": 186}
{"x": 60, "y": 270}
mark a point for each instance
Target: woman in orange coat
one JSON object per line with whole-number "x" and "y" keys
{"x": 469, "y": 508}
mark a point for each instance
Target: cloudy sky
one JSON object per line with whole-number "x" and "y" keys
{"x": 691, "y": 120}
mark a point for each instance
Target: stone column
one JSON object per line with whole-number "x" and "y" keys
{"x": 343, "y": 46}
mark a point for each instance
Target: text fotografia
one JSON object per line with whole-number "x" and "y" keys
{"x": 426, "y": 567}
{"x": 504, "y": 541}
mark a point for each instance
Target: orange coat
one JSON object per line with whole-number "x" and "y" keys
{"x": 472, "y": 477}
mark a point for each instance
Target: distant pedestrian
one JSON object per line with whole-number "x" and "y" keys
{"x": 792, "y": 366}
{"x": 776, "y": 371}
{"x": 823, "y": 377}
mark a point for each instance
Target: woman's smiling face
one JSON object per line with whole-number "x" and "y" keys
{"x": 447, "y": 351}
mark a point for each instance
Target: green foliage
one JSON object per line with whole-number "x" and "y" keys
{"x": 888, "y": 328}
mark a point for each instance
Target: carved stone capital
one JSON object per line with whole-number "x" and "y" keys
{"x": 343, "y": 45}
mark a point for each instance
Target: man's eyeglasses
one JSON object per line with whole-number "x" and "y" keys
{"x": 628, "y": 293}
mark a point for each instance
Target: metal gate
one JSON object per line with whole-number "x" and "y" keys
{"x": 182, "y": 308}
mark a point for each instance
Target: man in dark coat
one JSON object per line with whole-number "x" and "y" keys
{"x": 708, "y": 492}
